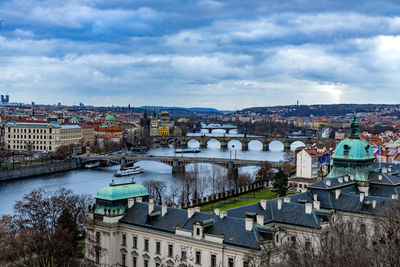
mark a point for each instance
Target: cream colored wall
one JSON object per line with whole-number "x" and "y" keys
{"x": 111, "y": 240}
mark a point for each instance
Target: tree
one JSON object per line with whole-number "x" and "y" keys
{"x": 263, "y": 256}
{"x": 45, "y": 229}
{"x": 264, "y": 174}
{"x": 281, "y": 183}
{"x": 156, "y": 190}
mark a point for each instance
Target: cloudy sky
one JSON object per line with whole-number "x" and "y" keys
{"x": 222, "y": 54}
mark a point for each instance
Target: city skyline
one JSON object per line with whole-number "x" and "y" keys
{"x": 229, "y": 55}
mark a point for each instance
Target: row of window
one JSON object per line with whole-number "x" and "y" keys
{"x": 213, "y": 259}
{"x": 17, "y": 130}
{"x": 28, "y": 142}
{"x": 17, "y": 136}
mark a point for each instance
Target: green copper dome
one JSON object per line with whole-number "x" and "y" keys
{"x": 122, "y": 191}
{"x": 74, "y": 119}
{"x": 109, "y": 117}
{"x": 353, "y": 149}
{"x": 353, "y": 156}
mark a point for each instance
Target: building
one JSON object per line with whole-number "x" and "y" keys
{"x": 312, "y": 162}
{"x": 129, "y": 231}
{"x": 40, "y": 137}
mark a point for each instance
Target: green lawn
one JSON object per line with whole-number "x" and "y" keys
{"x": 255, "y": 197}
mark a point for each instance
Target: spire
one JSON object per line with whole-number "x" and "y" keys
{"x": 355, "y": 128}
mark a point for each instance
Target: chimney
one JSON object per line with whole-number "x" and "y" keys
{"x": 352, "y": 177}
{"x": 260, "y": 219}
{"x": 263, "y": 204}
{"x": 249, "y": 224}
{"x": 308, "y": 208}
{"x": 337, "y": 193}
{"x": 223, "y": 214}
{"x": 279, "y": 200}
{"x": 216, "y": 211}
{"x": 164, "y": 209}
{"x": 395, "y": 196}
{"x": 328, "y": 182}
{"x": 190, "y": 212}
{"x": 315, "y": 197}
{"x": 340, "y": 180}
{"x": 390, "y": 169}
{"x": 380, "y": 177}
{"x": 286, "y": 199}
{"x": 139, "y": 199}
{"x": 384, "y": 170}
{"x": 131, "y": 201}
{"x": 362, "y": 194}
{"x": 317, "y": 205}
{"x": 151, "y": 205}
{"x": 346, "y": 178}
{"x": 196, "y": 209}
{"x": 374, "y": 204}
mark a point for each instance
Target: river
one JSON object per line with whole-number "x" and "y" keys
{"x": 90, "y": 181}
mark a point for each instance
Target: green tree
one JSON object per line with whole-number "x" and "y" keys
{"x": 281, "y": 183}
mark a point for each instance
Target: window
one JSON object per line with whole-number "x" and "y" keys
{"x": 308, "y": 244}
{"x": 170, "y": 250}
{"x": 146, "y": 245}
{"x": 198, "y": 257}
{"x": 157, "y": 265}
{"x": 135, "y": 242}
{"x": 97, "y": 256}
{"x": 97, "y": 237}
{"x": 230, "y": 262}
{"x": 183, "y": 254}
{"x": 213, "y": 261}
{"x": 293, "y": 239}
{"x": 124, "y": 239}
{"x": 123, "y": 260}
{"x": 146, "y": 263}
{"x": 197, "y": 231}
{"x": 245, "y": 264}
{"x": 363, "y": 229}
{"x": 134, "y": 262}
{"x": 158, "y": 247}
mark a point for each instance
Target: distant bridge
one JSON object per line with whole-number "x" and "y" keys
{"x": 227, "y": 128}
{"x": 182, "y": 141}
{"x": 177, "y": 163}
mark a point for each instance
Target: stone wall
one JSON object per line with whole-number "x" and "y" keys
{"x": 39, "y": 169}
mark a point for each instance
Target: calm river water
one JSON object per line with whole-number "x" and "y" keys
{"x": 90, "y": 181}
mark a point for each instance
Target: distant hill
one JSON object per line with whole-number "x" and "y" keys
{"x": 319, "y": 110}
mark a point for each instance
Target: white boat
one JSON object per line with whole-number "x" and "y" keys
{"x": 92, "y": 165}
{"x": 129, "y": 171}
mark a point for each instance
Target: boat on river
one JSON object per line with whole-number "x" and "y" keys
{"x": 92, "y": 165}
{"x": 129, "y": 171}
{"x": 188, "y": 151}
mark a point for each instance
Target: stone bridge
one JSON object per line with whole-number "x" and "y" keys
{"x": 177, "y": 163}
{"x": 182, "y": 142}
{"x": 227, "y": 128}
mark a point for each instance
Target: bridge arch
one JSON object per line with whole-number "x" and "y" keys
{"x": 296, "y": 144}
{"x": 276, "y": 146}
{"x": 235, "y": 144}
{"x": 213, "y": 143}
{"x": 255, "y": 145}
{"x": 193, "y": 143}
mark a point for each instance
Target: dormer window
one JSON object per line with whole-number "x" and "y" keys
{"x": 198, "y": 230}
{"x": 346, "y": 149}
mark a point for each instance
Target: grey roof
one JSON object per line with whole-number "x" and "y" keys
{"x": 232, "y": 229}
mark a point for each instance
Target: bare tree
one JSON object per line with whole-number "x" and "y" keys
{"x": 244, "y": 179}
{"x": 156, "y": 190}
{"x": 45, "y": 228}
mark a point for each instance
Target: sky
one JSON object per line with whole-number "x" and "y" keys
{"x": 220, "y": 54}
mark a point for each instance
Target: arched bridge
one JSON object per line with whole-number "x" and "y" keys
{"x": 182, "y": 141}
{"x": 177, "y": 163}
{"x": 227, "y": 128}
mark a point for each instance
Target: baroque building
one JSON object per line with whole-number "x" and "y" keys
{"x": 142, "y": 233}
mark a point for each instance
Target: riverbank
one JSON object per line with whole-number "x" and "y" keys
{"x": 38, "y": 169}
